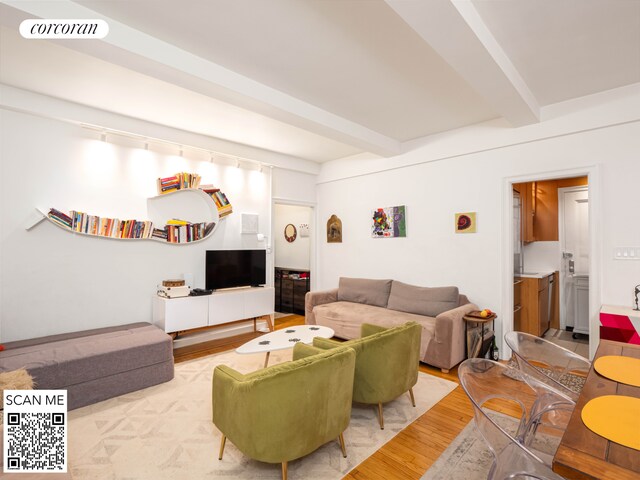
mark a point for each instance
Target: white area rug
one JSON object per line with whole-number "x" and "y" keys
{"x": 165, "y": 432}
{"x": 468, "y": 457}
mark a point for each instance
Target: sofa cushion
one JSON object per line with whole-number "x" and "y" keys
{"x": 346, "y": 318}
{"x": 422, "y": 300}
{"x": 364, "y": 290}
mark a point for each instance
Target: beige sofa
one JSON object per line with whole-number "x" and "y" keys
{"x": 387, "y": 303}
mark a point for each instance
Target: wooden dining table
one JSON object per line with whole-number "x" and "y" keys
{"x": 583, "y": 454}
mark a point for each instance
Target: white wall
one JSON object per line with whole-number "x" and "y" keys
{"x": 294, "y": 186}
{"x": 471, "y": 177}
{"x": 294, "y": 254}
{"x": 542, "y": 256}
{"x": 53, "y": 281}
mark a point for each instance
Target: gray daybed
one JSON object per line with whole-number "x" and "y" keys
{"x": 94, "y": 365}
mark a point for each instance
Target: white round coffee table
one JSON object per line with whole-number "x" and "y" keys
{"x": 285, "y": 338}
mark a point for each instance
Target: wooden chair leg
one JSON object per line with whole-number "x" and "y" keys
{"x": 284, "y": 470}
{"x": 222, "y": 442}
{"x": 413, "y": 399}
{"x": 344, "y": 450}
{"x": 380, "y": 417}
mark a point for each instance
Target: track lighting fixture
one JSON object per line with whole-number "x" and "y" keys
{"x": 146, "y": 141}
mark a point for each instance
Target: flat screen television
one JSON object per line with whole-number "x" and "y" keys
{"x": 235, "y": 268}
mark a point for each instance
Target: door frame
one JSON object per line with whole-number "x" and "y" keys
{"x": 312, "y": 233}
{"x": 595, "y": 249}
{"x": 561, "y": 234}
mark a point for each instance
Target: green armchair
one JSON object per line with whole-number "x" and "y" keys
{"x": 285, "y": 411}
{"x": 387, "y": 361}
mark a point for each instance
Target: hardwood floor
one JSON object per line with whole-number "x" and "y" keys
{"x": 411, "y": 452}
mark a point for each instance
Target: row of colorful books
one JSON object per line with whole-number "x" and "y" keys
{"x": 178, "y": 181}
{"x": 219, "y": 198}
{"x": 176, "y": 231}
{"x": 189, "y": 232}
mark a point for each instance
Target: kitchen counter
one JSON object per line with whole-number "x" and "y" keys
{"x": 533, "y": 274}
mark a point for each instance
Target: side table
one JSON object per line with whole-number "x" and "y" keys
{"x": 475, "y": 349}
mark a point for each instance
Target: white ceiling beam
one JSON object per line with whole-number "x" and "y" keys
{"x": 455, "y": 30}
{"x": 148, "y": 55}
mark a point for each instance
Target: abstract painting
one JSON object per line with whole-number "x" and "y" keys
{"x": 389, "y": 222}
{"x": 465, "y": 222}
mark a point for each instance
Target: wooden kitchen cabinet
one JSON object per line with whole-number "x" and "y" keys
{"x": 539, "y": 203}
{"x": 534, "y": 316}
{"x": 517, "y": 304}
{"x": 528, "y": 202}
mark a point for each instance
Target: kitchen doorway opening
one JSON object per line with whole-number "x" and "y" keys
{"x": 552, "y": 286}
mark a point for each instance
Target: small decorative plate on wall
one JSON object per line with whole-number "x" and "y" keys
{"x": 290, "y": 233}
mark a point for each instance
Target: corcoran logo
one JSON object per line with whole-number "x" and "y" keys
{"x": 64, "y": 29}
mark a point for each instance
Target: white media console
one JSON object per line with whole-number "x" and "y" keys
{"x": 186, "y": 313}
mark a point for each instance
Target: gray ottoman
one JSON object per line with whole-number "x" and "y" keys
{"x": 95, "y": 365}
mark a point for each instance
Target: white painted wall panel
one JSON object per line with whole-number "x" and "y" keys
{"x": 53, "y": 281}
{"x": 294, "y": 254}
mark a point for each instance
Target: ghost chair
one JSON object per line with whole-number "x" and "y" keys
{"x": 549, "y": 363}
{"x": 517, "y": 452}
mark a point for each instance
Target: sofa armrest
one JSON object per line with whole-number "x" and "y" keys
{"x": 451, "y": 321}
{"x": 311, "y": 299}
{"x": 447, "y": 348}
{"x": 302, "y": 350}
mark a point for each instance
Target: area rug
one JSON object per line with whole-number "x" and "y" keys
{"x": 165, "y": 432}
{"x": 469, "y": 458}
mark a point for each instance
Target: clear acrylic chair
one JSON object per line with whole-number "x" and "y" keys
{"x": 517, "y": 452}
{"x": 552, "y": 364}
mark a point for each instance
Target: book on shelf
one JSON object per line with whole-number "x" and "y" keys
{"x": 179, "y": 181}
{"x": 160, "y": 233}
{"x": 187, "y": 233}
{"x": 102, "y": 226}
{"x": 60, "y": 218}
{"x": 177, "y": 221}
{"x": 219, "y": 199}
{"x": 208, "y": 188}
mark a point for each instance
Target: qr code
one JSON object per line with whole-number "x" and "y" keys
{"x": 35, "y": 431}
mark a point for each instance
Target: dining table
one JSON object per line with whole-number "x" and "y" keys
{"x": 583, "y": 454}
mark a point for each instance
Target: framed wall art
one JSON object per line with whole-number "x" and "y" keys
{"x": 465, "y": 222}
{"x": 389, "y": 222}
{"x": 290, "y": 233}
{"x": 334, "y": 229}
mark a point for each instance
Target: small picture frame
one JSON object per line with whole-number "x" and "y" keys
{"x": 334, "y": 229}
{"x": 465, "y": 222}
{"x": 290, "y": 233}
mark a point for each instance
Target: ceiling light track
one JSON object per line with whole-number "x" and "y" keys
{"x": 146, "y": 143}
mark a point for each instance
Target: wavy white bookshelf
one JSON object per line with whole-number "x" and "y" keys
{"x": 191, "y": 203}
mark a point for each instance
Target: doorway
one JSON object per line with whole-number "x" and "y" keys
{"x": 292, "y": 257}
{"x": 574, "y": 273}
{"x": 551, "y": 251}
